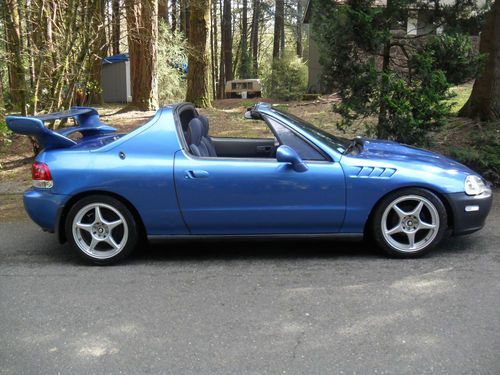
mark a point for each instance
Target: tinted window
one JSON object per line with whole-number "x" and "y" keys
{"x": 289, "y": 138}
{"x": 337, "y": 143}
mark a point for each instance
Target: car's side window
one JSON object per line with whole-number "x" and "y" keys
{"x": 243, "y": 129}
{"x": 289, "y": 138}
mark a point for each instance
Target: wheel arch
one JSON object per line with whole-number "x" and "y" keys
{"x": 61, "y": 219}
{"x": 441, "y": 196}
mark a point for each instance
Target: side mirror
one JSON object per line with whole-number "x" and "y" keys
{"x": 286, "y": 154}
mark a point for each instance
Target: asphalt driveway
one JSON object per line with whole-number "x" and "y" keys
{"x": 265, "y": 307}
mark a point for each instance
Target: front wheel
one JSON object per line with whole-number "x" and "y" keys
{"x": 410, "y": 222}
{"x": 101, "y": 229}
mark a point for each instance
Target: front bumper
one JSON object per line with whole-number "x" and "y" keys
{"x": 469, "y": 212}
{"x": 43, "y": 207}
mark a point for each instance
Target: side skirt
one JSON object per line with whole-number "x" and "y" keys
{"x": 334, "y": 236}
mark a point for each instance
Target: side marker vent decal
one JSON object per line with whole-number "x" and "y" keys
{"x": 371, "y": 172}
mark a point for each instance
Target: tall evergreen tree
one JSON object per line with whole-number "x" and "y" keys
{"x": 484, "y": 101}
{"x": 226, "y": 43}
{"x": 115, "y": 26}
{"x": 163, "y": 10}
{"x": 198, "y": 79}
{"x": 254, "y": 36}
{"x": 279, "y": 29}
{"x": 245, "y": 67}
{"x": 99, "y": 51}
{"x": 142, "y": 23}
{"x": 298, "y": 49}
{"x": 15, "y": 48}
{"x": 174, "y": 15}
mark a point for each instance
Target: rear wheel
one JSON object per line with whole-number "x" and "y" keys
{"x": 409, "y": 222}
{"x": 101, "y": 229}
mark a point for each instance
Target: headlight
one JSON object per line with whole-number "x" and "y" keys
{"x": 474, "y": 185}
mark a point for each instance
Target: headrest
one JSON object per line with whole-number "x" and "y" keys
{"x": 195, "y": 130}
{"x": 204, "y": 121}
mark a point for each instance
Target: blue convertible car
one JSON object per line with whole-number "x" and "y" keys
{"x": 105, "y": 191}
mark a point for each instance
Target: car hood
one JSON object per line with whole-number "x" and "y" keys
{"x": 393, "y": 151}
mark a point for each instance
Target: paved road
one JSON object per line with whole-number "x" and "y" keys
{"x": 250, "y": 308}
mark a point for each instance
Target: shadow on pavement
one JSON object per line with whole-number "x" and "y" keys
{"x": 258, "y": 249}
{"x": 44, "y": 248}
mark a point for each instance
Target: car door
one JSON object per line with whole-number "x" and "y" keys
{"x": 231, "y": 196}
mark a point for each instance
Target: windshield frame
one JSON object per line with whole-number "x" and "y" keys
{"x": 337, "y": 144}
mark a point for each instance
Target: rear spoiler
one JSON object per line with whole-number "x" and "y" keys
{"x": 86, "y": 119}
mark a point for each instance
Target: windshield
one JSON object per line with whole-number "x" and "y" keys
{"x": 339, "y": 144}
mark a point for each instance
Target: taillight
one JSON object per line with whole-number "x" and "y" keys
{"x": 40, "y": 174}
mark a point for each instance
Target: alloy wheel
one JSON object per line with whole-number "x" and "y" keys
{"x": 100, "y": 230}
{"x": 410, "y": 223}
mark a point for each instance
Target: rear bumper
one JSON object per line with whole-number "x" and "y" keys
{"x": 43, "y": 207}
{"x": 469, "y": 212}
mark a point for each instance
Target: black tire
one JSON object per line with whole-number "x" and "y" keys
{"x": 406, "y": 225}
{"x": 111, "y": 211}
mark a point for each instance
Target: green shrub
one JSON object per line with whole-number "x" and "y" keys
{"x": 413, "y": 109}
{"x": 363, "y": 62}
{"x": 454, "y": 55}
{"x": 417, "y": 105}
{"x": 5, "y": 133}
{"x": 171, "y": 58}
{"x": 286, "y": 80}
{"x": 413, "y": 105}
{"x": 482, "y": 154}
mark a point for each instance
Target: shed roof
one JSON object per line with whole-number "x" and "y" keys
{"x": 115, "y": 58}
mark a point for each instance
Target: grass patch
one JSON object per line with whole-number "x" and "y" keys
{"x": 462, "y": 94}
{"x": 247, "y": 103}
{"x": 281, "y": 107}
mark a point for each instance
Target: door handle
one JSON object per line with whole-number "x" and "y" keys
{"x": 197, "y": 173}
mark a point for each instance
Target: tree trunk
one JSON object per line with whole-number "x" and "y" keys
{"x": 214, "y": 41}
{"x": 99, "y": 49}
{"x": 245, "y": 66}
{"x": 221, "y": 87}
{"x": 182, "y": 16}
{"x": 278, "y": 28}
{"x": 227, "y": 41}
{"x": 174, "y": 15}
{"x": 282, "y": 31}
{"x": 2, "y": 104}
{"x": 115, "y": 21}
{"x": 30, "y": 46}
{"x": 254, "y": 37}
{"x": 184, "y": 6}
{"x": 484, "y": 102}
{"x": 163, "y": 10}
{"x": 142, "y": 23}
{"x": 15, "y": 61}
{"x": 36, "y": 26}
{"x": 299, "y": 28}
{"x": 198, "y": 78}
{"x": 236, "y": 59}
